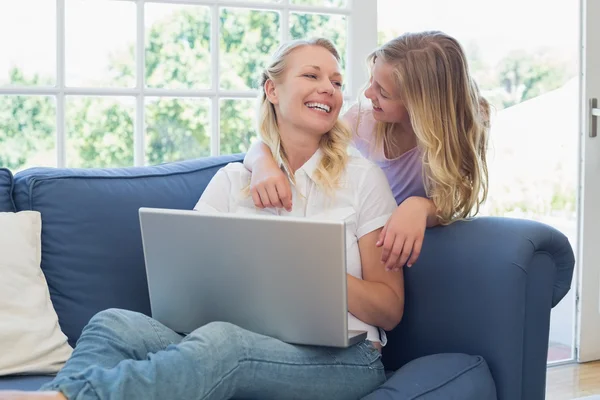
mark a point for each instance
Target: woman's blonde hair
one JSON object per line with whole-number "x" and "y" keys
{"x": 334, "y": 144}
{"x": 448, "y": 115}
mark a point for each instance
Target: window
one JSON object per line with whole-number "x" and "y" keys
{"x": 111, "y": 83}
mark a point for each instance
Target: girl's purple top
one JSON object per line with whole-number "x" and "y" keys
{"x": 404, "y": 173}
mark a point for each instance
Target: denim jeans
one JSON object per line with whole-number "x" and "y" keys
{"x": 126, "y": 355}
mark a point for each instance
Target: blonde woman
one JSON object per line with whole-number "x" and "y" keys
{"x": 426, "y": 126}
{"x": 126, "y": 355}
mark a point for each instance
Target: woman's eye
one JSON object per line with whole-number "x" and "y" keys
{"x": 311, "y": 76}
{"x": 338, "y": 84}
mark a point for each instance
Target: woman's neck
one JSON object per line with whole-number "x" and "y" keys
{"x": 299, "y": 147}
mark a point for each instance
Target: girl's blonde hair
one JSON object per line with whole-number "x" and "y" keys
{"x": 448, "y": 115}
{"x": 334, "y": 144}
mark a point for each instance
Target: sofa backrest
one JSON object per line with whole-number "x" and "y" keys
{"x": 6, "y": 190}
{"x": 92, "y": 253}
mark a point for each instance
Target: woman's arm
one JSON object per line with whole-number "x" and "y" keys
{"x": 377, "y": 299}
{"x": 269, "y": 186}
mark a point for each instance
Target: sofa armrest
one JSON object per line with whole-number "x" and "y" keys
{"x": 486, "y": 287}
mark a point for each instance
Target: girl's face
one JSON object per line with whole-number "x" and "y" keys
{"x": 384, "y": 94}
{"x": 309, "y": 95}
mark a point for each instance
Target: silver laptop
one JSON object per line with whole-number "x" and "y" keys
{"x": 278, "y": 276}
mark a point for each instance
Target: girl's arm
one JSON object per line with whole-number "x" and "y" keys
{"x": 269, "y": 186}
{"x": 258, "y": 152}
{"x": 430, "y": 210}
{"x": 403, "y": 234}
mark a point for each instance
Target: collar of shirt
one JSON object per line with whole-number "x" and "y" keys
{"x": 309, "y": 167}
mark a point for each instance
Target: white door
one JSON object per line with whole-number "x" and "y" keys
{"x": 589, "y": 254}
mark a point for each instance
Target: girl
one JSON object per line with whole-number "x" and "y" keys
{"x": 426, "y": 126}
{"x": 126, "y": 355}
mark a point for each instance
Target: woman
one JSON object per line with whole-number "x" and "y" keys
{"x": 126, "y": 355}
{"x": 426, "y": 126}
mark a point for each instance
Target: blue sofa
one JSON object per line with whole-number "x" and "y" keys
{"x": 478, "y": 301}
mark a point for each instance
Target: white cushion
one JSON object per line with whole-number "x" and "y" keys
{"x": 30, "y": 338}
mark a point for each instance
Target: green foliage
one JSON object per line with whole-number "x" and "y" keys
{"x": 248, "y": 38}
{"x": 237, "y": 133}
{"x": 178, "y": 50}
{"x": 177, "y": 129}
{"x": 332, "y": 27}
{"x": 524, "y": 76}
{"x": 27, "y": 124}
{"x": 99, "y": 132}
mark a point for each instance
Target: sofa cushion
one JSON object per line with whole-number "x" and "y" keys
{"x": 91, "y": 243}
{"x": 6, "y": 190}
{"x": 439, "y": 377}
{"x": 24, "y": 382}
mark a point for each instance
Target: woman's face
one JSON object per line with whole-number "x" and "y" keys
{"x": 309, "y": 95}
{"x": 385, "y": 94}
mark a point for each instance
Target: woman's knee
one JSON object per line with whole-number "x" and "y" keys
{"x": 116, "y": 319}
{"x": 119, "y": 325}
{"x": 133, "y": 333}
{"x": 223, "y": 337}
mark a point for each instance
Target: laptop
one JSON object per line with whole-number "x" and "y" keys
{"x": 283, "y": 277}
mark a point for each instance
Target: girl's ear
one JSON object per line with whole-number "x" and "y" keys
{"x": 271, "y": 91}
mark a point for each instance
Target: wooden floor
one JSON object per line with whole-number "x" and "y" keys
{"x": 568, "y": 382}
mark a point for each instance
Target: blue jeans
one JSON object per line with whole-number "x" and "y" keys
{"x": 127, "y": 355}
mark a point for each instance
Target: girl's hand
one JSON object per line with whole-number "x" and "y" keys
{"x": 270, "y": 187}
{"x": 402, "y": 236}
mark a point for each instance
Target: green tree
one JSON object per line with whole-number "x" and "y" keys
{"x": 525, "y": 75}
{"x": 99, "y": 133}
{"x": 27, "y": 123}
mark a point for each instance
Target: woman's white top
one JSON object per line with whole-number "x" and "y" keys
{"x": 363, "y": 200}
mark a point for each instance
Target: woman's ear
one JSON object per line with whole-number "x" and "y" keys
{"x": 271, "y": 92}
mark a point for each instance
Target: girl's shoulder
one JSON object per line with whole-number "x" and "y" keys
{"x": 237, "y": 173}
{"x": 361, "y": 168}
{"x": 360, "y": 119}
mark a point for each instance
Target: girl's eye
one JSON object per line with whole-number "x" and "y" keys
{"x": 338, "y": 84}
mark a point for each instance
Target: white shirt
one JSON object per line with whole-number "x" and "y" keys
{"x": 363, "y": 199}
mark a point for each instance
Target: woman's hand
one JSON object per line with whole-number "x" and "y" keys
{"x": 402, "y": 236}
{"x": 269, "y": 186}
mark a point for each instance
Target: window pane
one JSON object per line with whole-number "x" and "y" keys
{"x": 321, "y": 3}
{"x": 100, "y": 43}
{"x": 177, "y": 46}
{"x": 238, "y": 125}
{"x": 99, "y": 131}
{"x": 332, "y": 27}
{"x": 28, "y": 42}
{"x": 27, "y": 132}
{"x": 248, "y": 38}
{"x": 177, "y": 129}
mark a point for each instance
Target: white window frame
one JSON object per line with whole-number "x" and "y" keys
{"x": 588, "y": 256}
{"x": 361, "y": 39}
